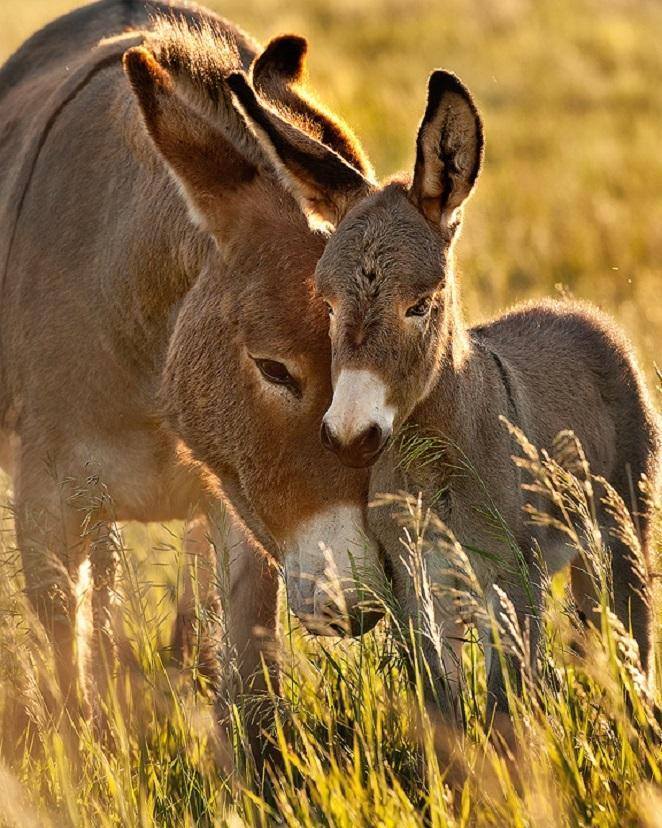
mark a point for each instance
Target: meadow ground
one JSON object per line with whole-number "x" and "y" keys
{"x": 569, "y": 202}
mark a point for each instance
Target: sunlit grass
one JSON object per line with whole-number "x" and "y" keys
{"x": 358, "y": 743}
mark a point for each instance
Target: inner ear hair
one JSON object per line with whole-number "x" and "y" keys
{"x": 201, "y": 157}
{"x": 283, "y": 61}
{"x": 449, "y": 150}
{"x": 323, "y": 182}
{"x": 197, "y": 58}
{"x": 278, "y": 75}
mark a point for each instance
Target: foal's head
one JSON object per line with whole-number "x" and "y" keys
{"x": 385, "y": 274}
{"x": 247, "y": 380}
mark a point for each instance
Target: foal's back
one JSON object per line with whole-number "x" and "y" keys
{"x": 569, "y": 363}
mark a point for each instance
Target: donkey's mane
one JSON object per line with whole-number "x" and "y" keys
{"x": 201, "y": 52}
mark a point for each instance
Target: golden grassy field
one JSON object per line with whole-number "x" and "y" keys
{"x": 569, "y": 202}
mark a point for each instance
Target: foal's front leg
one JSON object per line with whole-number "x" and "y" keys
{"x": 511, "y": 650}
{"x": 436, "y": 649}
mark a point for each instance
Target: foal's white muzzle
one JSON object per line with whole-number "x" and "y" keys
{"x": 359, "y": 421}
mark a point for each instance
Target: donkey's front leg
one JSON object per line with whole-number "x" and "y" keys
{"x": 103, "y": 543}
{"x": 198, "y": 607}
{"x": 50, "y": 538}
{"x": 249, "y": 673}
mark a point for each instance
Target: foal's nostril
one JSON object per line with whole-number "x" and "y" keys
{"x": 361, "y": 449}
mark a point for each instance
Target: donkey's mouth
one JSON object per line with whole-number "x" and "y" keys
{"x": 333, "y": 573}
{"x": 325, "y": 609}
{"x": 342, "y": 626}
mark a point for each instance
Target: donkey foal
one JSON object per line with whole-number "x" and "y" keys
{"x": 403, "y": 361}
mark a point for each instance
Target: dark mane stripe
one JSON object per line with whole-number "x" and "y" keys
{"x": 77, "y": 84}
{"x": 201, "y": 51}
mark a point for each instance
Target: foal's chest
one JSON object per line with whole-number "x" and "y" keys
{"x": 480, "y": 514}
{"x": 414, "y": 468}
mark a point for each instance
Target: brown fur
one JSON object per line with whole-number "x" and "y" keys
{"x": 387, "y": 277}
{"x": 323, "y": 182}
{"x": 278, "y": 75}
{"x": 126, "y": 326}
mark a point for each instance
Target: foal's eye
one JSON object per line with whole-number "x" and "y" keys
{"x": 277, "y": 374}
{"x": 329, "y": 309}
{"x": 421, "y": 307}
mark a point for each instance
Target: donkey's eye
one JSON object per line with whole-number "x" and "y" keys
{"x": 329, "y": 309}
{"x": 277, "y": 374}
{"x": 421, "y": 307}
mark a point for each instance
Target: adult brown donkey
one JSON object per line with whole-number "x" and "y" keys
{"x": 157, "y": 288}
{"x": 402, "y": 356}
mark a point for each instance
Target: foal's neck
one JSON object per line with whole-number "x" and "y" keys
{"x": 460, "y": 393}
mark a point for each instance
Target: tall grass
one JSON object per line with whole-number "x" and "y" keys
{"x": 358, "y": 741}
{"x": 569, "y": 201}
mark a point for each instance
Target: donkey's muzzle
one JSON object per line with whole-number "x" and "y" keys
{"x": 359, "y": 452}
{"x": 352, "y": 620}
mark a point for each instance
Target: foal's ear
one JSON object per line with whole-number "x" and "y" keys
{"x": 278, "y": 75}
{"x": 449, "y": 149}
{"x": 204, "y": 140}
{"x": 322, "y": 181}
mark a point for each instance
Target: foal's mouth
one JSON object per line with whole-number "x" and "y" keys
{"x": 360, "y": 452}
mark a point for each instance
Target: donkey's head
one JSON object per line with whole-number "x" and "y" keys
{"x": 385, "y": 274}
{"x": 247, "y": 379}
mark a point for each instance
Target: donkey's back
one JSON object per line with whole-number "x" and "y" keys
{"x": 35, "y": 86}
{"x": 39, "y": 80}
{"x": 42, "y": 61}
{"x": 69, "y": 69}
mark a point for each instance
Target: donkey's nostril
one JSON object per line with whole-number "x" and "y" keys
{"x": 364, "y": 449}
{"x": 370, "y": 441}
{"x": 329, "y": 440}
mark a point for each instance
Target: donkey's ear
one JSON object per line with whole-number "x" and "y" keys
{"x": 278, "y": 75}
{"x": 282, "y": 62}
{"x": 211, "y": 155}
{"x": 449, "y": 149}
{"x": 323, "y": 182}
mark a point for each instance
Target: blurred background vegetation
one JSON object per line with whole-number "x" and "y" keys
{"x": 570, "y": 197}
